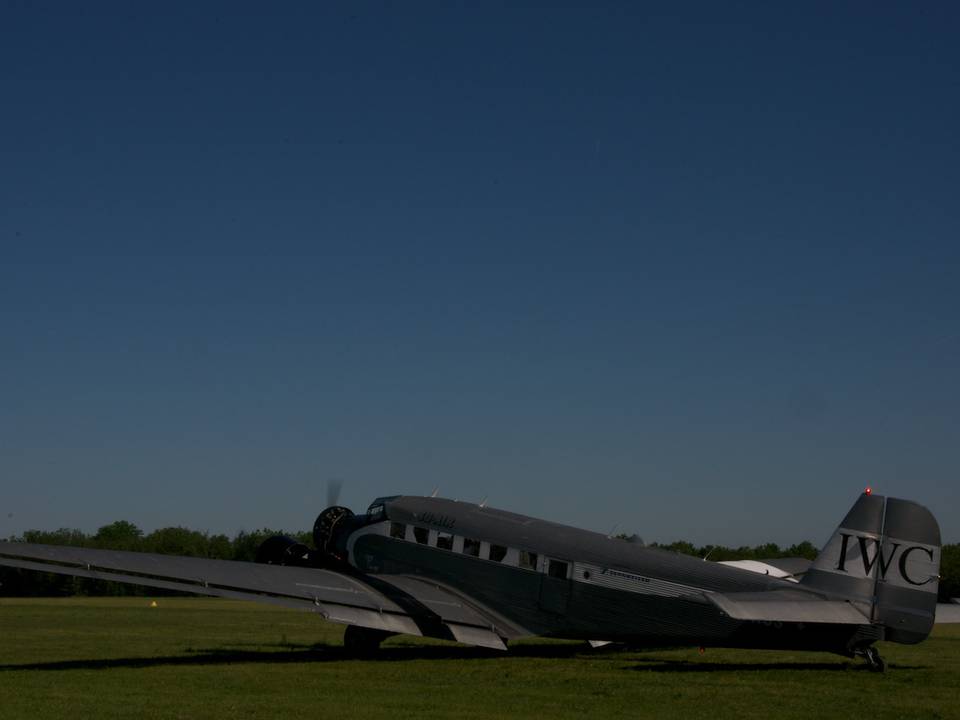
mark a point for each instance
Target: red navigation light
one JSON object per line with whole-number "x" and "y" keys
{"x": 868, "y": 491}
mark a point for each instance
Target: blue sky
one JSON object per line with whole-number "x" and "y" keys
{"x": 691, "y": 270}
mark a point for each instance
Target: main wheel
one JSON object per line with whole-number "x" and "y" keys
{"x": 363, "y": 642}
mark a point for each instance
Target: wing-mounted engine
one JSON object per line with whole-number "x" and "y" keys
{"x": 330, "y": 533}
{"x": 284, "y": 550}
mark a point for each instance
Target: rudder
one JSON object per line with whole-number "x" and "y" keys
{"x": 885, "y": 559}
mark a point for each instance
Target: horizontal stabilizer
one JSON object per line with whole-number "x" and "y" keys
{"x": 787, "y": 606}
{"x": 948, "y": 613}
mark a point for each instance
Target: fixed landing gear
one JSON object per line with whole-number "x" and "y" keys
{"x": 363, "y": 642}
{"x": 874, "y": 661}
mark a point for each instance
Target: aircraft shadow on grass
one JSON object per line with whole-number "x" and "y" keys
{"x": 295, "y": 654}
{"x": 291, "y": 654}
{"x": 654, "y": 665}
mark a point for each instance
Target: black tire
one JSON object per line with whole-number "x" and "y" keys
{"x": 363, "y": 642}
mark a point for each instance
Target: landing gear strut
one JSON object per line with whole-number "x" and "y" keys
{"x": 363, "y": 642}
{"x": 874, "y": 661}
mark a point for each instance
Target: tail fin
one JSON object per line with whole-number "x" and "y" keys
{"x": 885, "y": 559}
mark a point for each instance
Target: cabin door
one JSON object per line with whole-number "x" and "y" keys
{"x": 555, "y": 586}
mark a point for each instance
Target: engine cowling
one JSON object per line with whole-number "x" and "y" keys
{"x": 329, "y": 538}
{"x": 283, "y": 550}
{"x": 328, "y": 532}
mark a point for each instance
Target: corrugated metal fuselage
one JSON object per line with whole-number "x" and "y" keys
{"x": 613, "y": 590}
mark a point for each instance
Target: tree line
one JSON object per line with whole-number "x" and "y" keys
{"x": 123, "y": 535}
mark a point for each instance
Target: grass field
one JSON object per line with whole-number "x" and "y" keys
{"x": 204, "y": 658}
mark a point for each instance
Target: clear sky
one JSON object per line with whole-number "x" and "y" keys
{"x": 690, "y": 269}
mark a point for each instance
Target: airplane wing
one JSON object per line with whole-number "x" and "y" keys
{"x": 393, "y": 603}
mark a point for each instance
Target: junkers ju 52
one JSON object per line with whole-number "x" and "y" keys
{"x": 440, "y": 568}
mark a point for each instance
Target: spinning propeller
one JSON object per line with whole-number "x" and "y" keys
{"x": 327, "y": 552}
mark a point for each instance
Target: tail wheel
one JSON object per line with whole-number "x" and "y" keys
{"x": 876, "y": 663}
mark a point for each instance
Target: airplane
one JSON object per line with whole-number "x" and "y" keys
{"x": 433, "y": 567}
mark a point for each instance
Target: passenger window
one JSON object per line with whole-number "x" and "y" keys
{"x": 445, "y": 541}
{"x": 497, "y": 553}
{"x": 528, "y": 560}
{"x": 471, "y": 547}
{"x": 398, "y": 530}
{"x": 421, "y": 535}
{"x": 557, "y": 569}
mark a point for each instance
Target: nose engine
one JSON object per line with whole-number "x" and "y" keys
{"x": 329, "y": 537}
{"x": 330, "y": 533}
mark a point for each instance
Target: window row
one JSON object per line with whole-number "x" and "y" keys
{"x": 478, "y": 548}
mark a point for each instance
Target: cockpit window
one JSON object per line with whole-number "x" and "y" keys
{"x": 421, "y": 535}
{"x": 380, "y": 502}
{"x": 375, "y": 512}
{"x": 398, "y": 530}
{"x": 445, "y": 541}
{"x": 471, "y": 547}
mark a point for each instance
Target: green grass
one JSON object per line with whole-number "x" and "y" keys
{"x": 204, "y": 658}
